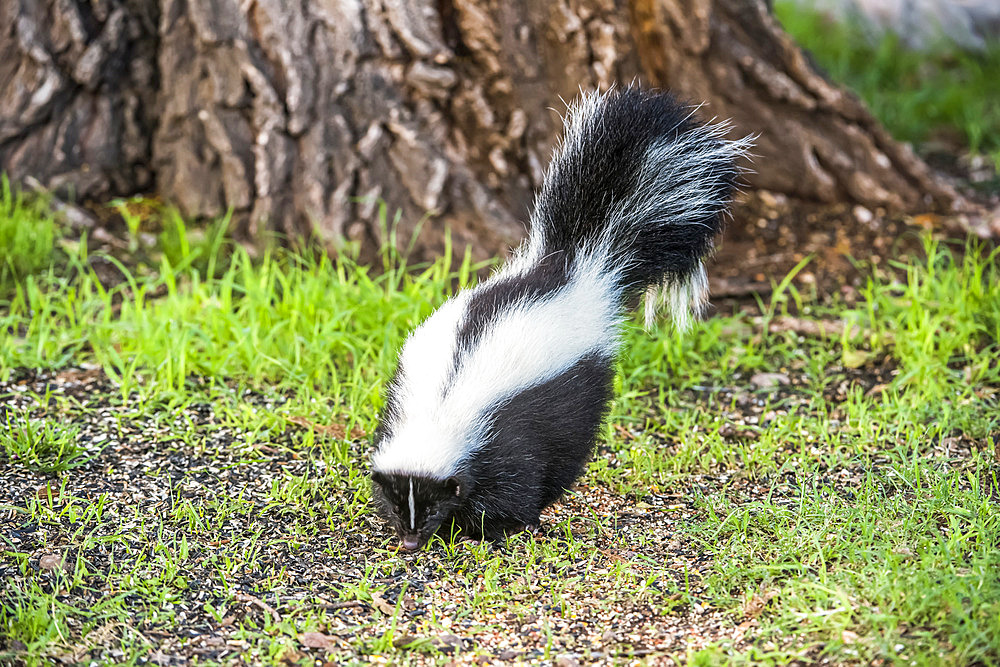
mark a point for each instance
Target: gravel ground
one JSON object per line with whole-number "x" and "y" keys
{"x": 140, "y": 474}
{"x": 343, "y": 570}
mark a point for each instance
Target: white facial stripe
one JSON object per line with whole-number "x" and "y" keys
{"x": 413, "y": 508}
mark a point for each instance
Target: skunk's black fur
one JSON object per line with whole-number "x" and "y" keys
{"x": 604, "y": 166}
{"x": 499, "y": 396}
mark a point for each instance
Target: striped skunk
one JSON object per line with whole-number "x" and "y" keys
{"x": 499, "y": 395}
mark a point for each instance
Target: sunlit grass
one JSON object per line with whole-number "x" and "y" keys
{"x": 862, "y": 539}
{"x": 27, "y": 235}
{"x": 43, "y": 446}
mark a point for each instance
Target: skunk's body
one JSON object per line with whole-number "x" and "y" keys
{"x": 499, "y": 395}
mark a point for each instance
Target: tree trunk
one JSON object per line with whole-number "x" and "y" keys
{"x": 78, "y": 91}
{"x": 303, "y": 117}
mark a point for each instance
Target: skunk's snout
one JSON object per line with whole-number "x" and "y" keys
{"x": 411, "y": 542}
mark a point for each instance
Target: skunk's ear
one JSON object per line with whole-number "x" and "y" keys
{"x": 379, "y": 478}
{"x": 455, "y": 485}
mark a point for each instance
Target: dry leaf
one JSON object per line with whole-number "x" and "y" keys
{"x": 769, "y": 380}
{"x": 292, "y": 657}
{"x": 613, "y": 556}
{"x": 926, "y": 220}
{"x": 404, "y": 641}
{"x": 50, "y": 562}
{"x": 82, "y": 375}
{"x": 753, "y": 607}
{"x": 257, "y": 602}
{"x": 819, "y": 328}
{"x": 877, "y": 389}
{"x": 316, "y": 640}
{"x": 338, "y": 431}
{"x": 383, "y": 605}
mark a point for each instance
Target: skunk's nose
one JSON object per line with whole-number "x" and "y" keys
{"x": 411, "y": 542}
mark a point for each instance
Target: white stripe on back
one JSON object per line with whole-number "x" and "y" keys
{"x": 526, "y": 345}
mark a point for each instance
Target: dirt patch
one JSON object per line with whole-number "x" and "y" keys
{"x": 194, "y": 510}
{"x": 198, "y": 517}
{"x": 772, "y": 233}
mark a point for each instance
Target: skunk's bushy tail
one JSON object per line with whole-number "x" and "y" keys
{"x": 639, "y": 187}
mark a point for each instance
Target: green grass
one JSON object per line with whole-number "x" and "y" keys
{"x": 849, "y": 515}
{"x": 44, "y": 447}
{"x": 27, "y": 235}
{"x": 915, "y": 94}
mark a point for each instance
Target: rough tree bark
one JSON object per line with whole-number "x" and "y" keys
{"x": 303, "y": 116}
{"x": 78, "y": 91}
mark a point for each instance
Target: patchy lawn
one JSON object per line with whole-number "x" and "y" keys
{"x": 183, "y": 457}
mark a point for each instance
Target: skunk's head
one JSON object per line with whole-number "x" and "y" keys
{"x": 416, "y": 506}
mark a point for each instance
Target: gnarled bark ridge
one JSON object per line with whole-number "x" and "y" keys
{"x": 302, "y": 117}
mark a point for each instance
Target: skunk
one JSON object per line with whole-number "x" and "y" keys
{"x": 499, "y": 395}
